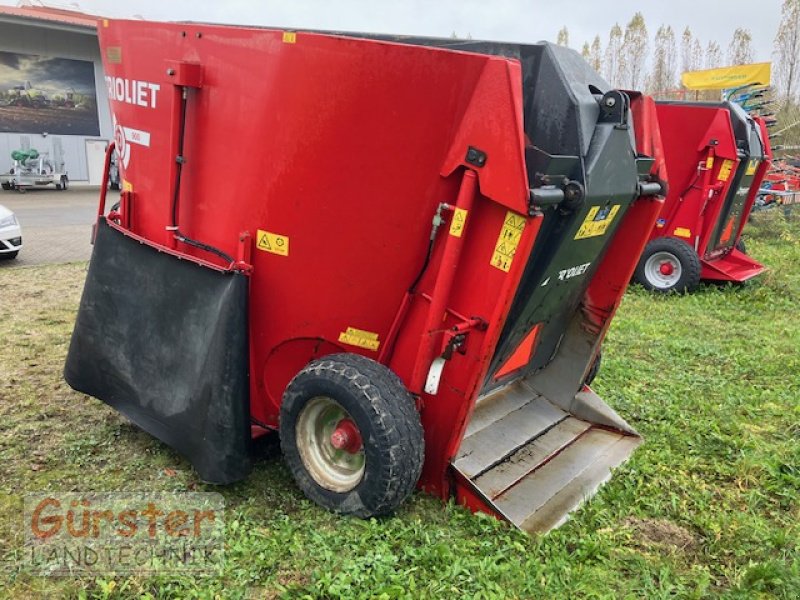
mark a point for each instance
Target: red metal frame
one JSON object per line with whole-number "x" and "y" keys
{"x": 318, "y": 137}
{"x": 702, "y": 158}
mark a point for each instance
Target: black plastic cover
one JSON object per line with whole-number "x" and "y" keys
{"x": 164, "y": 341}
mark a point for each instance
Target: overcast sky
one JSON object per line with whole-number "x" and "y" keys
{"x": 507, "y": 20}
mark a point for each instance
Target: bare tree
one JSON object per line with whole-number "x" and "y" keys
{"x": 613, "y": 50}
{"x": 596, "y": 54}
{"x": 787, "y": 50}
{"x": 697, "y": 55}
{"x": 633, "y": 57}
{"x": 740, "y": 50}
{"x": 662, "y": 78}
{"x": 713, "y": 55}
{"x": 687, "y": 40}
{"x": 563, "y": 37}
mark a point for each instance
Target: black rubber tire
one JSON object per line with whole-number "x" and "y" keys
{"x": 683, "y": 253}
{"x": 113, "y": 186}
{"x": 58, "y": 187}
{"x": 7, "y": 186}
{"x": 740, "y": 246}
{"x": 594, "y": 369}
{"x": 387, "y": 419}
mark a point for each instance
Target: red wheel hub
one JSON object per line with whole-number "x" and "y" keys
{"x": 346, "y": 437}
{"x": 666, "y": 268}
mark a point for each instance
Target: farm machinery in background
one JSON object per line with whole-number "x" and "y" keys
{"x": 32, "y": 168}
{"x": 781, "y": 184}
{"x": 408, "y": 277}
{"x": 717, "y": 155}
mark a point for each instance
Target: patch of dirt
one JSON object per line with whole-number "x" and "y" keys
{"x": 662, "y": 532}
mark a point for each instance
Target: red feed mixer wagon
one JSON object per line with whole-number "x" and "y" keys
{"x": 405, "y": 266}
{"x": 717, "y": 156}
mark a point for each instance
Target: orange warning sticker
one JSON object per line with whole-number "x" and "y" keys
{"x": 272, "y": 242}
{"x": 507, "y": 241}
{"x": 458, "y": 222}
{"x": 289, "y": 37}
{"x": 725, "y": 170}
{"x": 127, "y": 186}
{"x": 682, "y": 232}
{"x": 359, "y": 338}
{"x": 709, "y": 162}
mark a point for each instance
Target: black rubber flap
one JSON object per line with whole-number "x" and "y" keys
{"x": 164, "y": 341}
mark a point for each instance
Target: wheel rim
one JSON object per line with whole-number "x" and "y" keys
{"x": 330, "y": 445}
{"x": 663, "y": 270}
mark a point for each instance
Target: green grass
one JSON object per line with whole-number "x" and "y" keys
{"x": 709, "y": 505}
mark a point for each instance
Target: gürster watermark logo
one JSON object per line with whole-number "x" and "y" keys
{"x": 120, "y": 533}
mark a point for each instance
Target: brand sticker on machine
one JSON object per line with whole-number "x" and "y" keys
{"x": 458, "y": 222}
{"x": 725, "y": 170}
{"x": 507, "y": 241}
{"x": 597, "y": 221}
{"x": 272, "y": 242}
{"x": 360, "y": 338}
{"x": 709, "y": 162}
{"x": 751, "y": 167}
{"x": 124, "y": 137}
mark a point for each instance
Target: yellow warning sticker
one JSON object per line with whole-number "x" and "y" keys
{"x": 272, "y": 242}
{"x": 507, "y": 241}
{"x": 458, "y": 222}
{"x": 289, "y": 37}
{"x": 682, "y": 232}
{"x": 597, "y": 221}
{"x": 725, "y": 170}
{"x": 127, "y": 186}
{"x": 709, "y": 162}
{"x": 360, "y": 338}
{"x": 751, "y": 167}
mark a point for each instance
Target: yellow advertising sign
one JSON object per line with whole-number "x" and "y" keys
{"x": 728, "y": 77}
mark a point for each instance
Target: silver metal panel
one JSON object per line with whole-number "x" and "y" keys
{"x": 493, "y": 443}
{"x": 497, "y": 405}
{"x": 587, "y": 458}
{"x": 556, "y": 510}
{"x": 524, "y": 461}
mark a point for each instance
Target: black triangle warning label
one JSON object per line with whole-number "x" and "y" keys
{"x": 263, "y": 242}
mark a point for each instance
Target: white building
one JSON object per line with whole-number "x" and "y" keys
{"x": 52, "y": 92}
